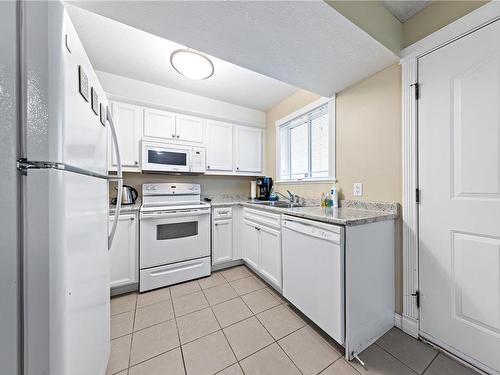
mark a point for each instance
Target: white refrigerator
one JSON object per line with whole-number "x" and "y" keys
{"x": 64, "y": 182}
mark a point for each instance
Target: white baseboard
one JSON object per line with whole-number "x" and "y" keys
{"x": 398, "y": 321}
{"x": 409, "y": 326}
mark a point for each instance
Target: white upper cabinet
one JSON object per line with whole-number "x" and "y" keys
{"x": 248, "y": 149}
{"x": 189, "y": 129}
{"x": 219, "y": 142}
{"x": 230, "y": 149}
{"x": 159, "y": 124}
{"x": 128, "y": 123}
{"x": 170, "y": 126}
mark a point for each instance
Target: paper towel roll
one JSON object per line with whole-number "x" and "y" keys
{"x": 253, "y": 189}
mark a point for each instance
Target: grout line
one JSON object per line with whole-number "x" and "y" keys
{"x": 180, "y": 344}
{"x": 132, "y": 335}
{"x": 430, "y": 363}
{"x": 342, "y": 358}
{"x": 396, "y": 358}
{"x": 274, "y": 340}
{"x": 225, "y": 337}
{"x": 153, "y": 303}
{"x": 153, "y": 357}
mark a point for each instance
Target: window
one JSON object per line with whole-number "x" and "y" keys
{"x": 303, "y": 144}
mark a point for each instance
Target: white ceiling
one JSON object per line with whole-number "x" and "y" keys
{"x": 307, "y": 44}
{"x": 120, "y": 49}
{"x": 404, "y": 10}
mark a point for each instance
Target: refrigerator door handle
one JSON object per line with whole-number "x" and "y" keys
{"x": 118, "y": 178}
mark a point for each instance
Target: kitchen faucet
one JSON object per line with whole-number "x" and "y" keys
{"x": 292, "y": 198}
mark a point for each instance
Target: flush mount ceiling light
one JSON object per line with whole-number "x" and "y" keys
{"x": 192, "y": 64}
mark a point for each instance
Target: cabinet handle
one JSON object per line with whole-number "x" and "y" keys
{"x": 208, "y": 166}
{"x": 177, "y": 136}
{"x": 237, "y": 168}
{"x": 136, "y": 162}
{"x": 131, "y": 219}
{"x": 173, "y": 135}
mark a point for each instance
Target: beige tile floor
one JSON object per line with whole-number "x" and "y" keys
{"x": 233, "y": 323}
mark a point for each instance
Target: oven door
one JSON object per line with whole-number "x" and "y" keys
{"x": 175, "y": 236}
{"x": 165, "y": 158}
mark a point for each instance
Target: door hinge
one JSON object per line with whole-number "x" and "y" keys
{"x": 417, "y": 297}
{"x": 417, "y": 90}
{"x": 417, "y": 195}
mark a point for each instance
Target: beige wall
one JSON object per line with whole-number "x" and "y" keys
{"x": 368, "y": 125}
{"x": 374, "y": 18}
{"x": 368, "y": 132}
{"x": 437, "y": 15}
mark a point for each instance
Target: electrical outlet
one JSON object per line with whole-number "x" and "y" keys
{"x": 358, "y": 189}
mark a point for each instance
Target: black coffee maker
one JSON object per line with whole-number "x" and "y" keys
{"x": 264, "y": 186}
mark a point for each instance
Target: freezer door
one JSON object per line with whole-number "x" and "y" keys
{"x": 66, "y": 273}
{"x": 61, "y": 125}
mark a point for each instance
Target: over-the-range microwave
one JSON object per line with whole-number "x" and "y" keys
{"x": 168, "y": 157}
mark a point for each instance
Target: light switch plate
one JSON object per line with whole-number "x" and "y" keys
{"x": 358, "y": 189}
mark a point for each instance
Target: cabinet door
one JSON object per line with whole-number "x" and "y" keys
{"x": 159, "y": 124}
{"x": 128, "y": 122}
{"x": 250, "y": 243}
{"x": 222, "y": 245}
{"x": 248, "y": 149}
{"x": 123, "y": 253}
{"x": 219, "y": 146}
{"x": 189, "y": 128}
{"x": 270, "y": 255}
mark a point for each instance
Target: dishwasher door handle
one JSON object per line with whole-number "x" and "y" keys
{"x": 312, "y": 231}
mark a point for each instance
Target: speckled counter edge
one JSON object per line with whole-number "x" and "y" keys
{"x": 388, "y": 207}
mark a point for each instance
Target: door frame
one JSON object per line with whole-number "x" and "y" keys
{"x": 471, "y": 22}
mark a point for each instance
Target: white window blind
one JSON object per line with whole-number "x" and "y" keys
{"x": 304, "y": 146}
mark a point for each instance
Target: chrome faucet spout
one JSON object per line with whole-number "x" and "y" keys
{"x": 284, "y": 196}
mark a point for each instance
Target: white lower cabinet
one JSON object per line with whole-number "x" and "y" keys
{"x": 261, "y": 243}
{"x": 250, "y": 240}
{"x": 270, "y": 254}
{"x": 124, "y": 251}
{"x": 222, "y": 241}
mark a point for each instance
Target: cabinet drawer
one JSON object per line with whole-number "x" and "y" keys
{"x": 156, "y": 277}
{"x": 262, "y": 217}
{"x": 223, "y": 213}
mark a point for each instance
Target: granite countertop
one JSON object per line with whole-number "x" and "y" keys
{"x": 342, "y": 215}
{"x": 126, "y": 209}
{"x": 351, "y": 212}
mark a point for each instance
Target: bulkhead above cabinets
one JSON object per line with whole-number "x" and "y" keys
{"x": 231, "y": 149}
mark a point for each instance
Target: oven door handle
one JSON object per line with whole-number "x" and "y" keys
{"x": 164, "y": 215}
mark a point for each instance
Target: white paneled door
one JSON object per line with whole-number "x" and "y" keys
{"x": 459, "y": 178}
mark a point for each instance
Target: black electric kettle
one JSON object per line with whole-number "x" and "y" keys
{"x": 129, "y": 195}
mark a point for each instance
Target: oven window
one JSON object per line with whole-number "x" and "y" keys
{"x": 176, "y": 230}
{"x": 167, "y": 157}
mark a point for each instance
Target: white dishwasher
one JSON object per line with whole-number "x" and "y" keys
{"x": 313, "y": 272}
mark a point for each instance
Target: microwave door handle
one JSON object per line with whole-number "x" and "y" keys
{"x": 118, "y": 178}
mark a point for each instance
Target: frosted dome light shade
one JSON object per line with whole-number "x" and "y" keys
{"x": 192, "y": 64}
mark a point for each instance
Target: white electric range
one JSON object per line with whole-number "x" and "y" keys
{"x": 174, "y": 235}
